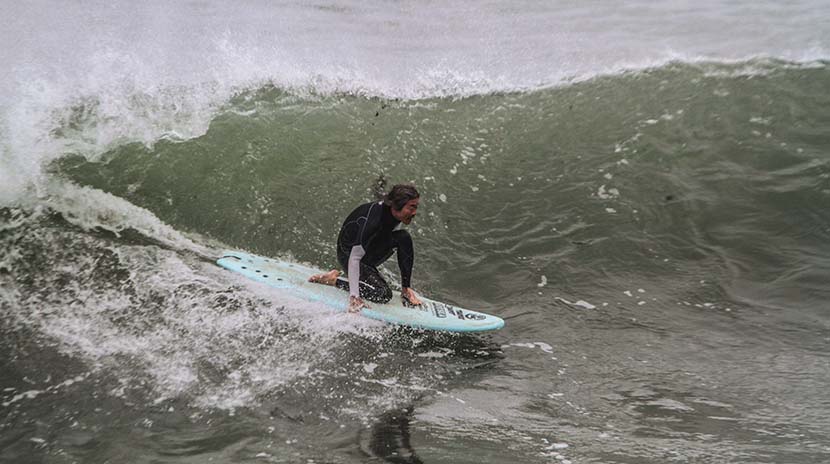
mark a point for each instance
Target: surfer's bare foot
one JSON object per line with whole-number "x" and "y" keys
{"x": 326, "y": 278}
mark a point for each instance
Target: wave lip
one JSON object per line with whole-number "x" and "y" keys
{"x": 154, "y": 70}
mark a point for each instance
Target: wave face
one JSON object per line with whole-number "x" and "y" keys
{"x": 641, "y": 190}
{"x": 157, "y": 70}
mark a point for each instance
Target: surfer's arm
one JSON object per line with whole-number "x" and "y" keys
{"x": 354, "y": 270}
{"x": 367, "y": 233}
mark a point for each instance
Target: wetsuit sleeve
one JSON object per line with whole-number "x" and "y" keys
{"x": 367, "y": 232}
{"x": 406, "y": 256}
{"x": 354, "y": 270}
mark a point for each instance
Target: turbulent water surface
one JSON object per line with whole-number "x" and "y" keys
{"x": 641, "y": 190}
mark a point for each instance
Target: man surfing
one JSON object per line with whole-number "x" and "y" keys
{"x": 366, "y": 240}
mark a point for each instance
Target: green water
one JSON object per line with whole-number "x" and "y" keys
{"x": 656, "y": 240}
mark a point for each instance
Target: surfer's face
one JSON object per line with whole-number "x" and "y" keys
{"x": 408, "y": 211}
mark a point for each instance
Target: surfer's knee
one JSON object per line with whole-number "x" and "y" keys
{"x": 379, "y": 292}
{"x": 385, "y": 296}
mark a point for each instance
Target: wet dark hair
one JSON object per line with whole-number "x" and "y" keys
{"x": 400, "y": 195}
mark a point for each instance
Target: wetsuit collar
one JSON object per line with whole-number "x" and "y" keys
{"x": 387, "y": 219}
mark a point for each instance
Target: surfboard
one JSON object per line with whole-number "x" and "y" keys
{"x": 293, "y": 278}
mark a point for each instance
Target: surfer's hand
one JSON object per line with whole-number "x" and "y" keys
{"x": 410, "y": 297}
{"x": 356, "y": 304}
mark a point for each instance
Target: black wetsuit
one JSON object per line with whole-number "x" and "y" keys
{"x": 367, "y": 239}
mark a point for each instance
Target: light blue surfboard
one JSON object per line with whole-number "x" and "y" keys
{"x": 293, "y": 278}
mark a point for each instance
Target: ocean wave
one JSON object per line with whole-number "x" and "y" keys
{"x": 47, "y": 125}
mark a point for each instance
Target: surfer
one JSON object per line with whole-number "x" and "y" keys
{"x": 368, "y": 238}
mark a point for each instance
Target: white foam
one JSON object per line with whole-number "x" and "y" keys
{"x": 90, "y": 208}
{"x": 558, "y": 446}
{"x": 610, "y": 194}
{"x": 669, "y": 404}
{"x": 541, "y": 345}
{"x": 580, "y": 303}
{"x": 760, "y": 120}
{"x": 219, "y": 355}
{"x": 32, "y": 394}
